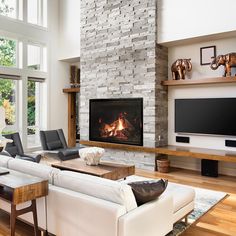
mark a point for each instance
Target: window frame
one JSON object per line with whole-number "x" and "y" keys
{"x": 43, "y": 63}
{"x": 41, "y": 13}
{"x": 16, "y": 79}
{"x": 38, "y": 126}
{"x": 22, "y": 13}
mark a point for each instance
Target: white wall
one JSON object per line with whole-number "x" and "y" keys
{"x": 69, "y": 29}
{"x": 201, "y": 91}
{"x": 184, "y": 19}
{"x": 58, "y": 75}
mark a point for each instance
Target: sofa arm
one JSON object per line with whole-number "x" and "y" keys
{"x": 151, "y": 219}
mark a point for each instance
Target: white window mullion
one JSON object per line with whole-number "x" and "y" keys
{"x": 25, "y": 11}
{"x": 24, "y": 96}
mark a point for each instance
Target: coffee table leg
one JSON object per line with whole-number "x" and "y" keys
{"x": 34, "y": 210}
{"x": 13, "y": 219}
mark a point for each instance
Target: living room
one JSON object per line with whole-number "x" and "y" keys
{"x": 122, "y": 53}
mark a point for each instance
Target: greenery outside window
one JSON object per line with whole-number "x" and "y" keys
{"x": 34, "y": 118}
{"x": 8, "y": 8}
{"x": 8, "y": 52}
{"x": 34, "y": 10}
{"x": 8, "y": 99}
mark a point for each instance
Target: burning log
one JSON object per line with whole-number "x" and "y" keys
{"x": 120, "y": 128}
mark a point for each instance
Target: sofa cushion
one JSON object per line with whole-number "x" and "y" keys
{"x": 148, "y": 190}
{"x": 182, "y": 195}
{"x": 54, "y": 145}
{"x": 105, "y": 189}
{"x": 33, "y": 168}
{"x": 4, "y": 160}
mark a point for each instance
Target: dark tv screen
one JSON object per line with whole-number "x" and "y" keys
{"x": 216, "y": 116}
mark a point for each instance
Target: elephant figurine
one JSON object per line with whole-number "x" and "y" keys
{"x": 227, "y": 60}
{"x": 179, "y": 68}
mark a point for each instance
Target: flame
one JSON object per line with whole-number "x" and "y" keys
{"x": 120, "y": 128}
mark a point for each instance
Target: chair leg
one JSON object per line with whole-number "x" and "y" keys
{"x": 44, "y": 233}
{"x": 186, "y": 220}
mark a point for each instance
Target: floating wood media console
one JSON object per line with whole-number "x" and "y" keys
{"x": 181, "y": 151}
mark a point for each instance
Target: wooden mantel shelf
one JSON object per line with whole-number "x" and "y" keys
{"x": 216, "y": 80}
{"x": 71, "y": 90}
{"x": 200, "y": 153}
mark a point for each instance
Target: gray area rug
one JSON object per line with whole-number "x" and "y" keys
{"x": 204, "y": 201}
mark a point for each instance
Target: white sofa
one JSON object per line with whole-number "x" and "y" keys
{"x": 85, "y": 205}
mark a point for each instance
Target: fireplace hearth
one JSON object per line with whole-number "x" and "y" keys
{"x": 116, "y": 120}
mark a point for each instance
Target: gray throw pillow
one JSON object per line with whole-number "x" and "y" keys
{"x": 145, "y": 191}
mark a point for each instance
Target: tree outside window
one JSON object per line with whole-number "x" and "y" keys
{"x": 8, "y": 8}
{"x": 7, "y": 52}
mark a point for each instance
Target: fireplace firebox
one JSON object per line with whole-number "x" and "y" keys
{"x": 116, "y": 120}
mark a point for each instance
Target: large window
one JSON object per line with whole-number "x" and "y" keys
{"x": 23, "y": 68}
{"x": 8, "y": 99}
{"x": 34, "y": 115}
{"x": 34, "y": 10}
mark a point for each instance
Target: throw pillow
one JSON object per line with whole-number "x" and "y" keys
{"x": 145, "y": 191}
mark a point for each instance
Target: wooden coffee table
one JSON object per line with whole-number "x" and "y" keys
{"x": 17, "y": 188}
{"x": 107, "y": 170}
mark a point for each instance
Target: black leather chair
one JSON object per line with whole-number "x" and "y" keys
{"x": 54, "y": 140}
{"x": 15, "y": 149}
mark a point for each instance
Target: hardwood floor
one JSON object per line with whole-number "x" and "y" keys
{"x": 219, "y": 221}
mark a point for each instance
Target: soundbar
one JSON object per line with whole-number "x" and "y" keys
{"x": 182, "y": 139}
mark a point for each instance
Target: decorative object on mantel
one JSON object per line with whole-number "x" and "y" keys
{"x": 206, "y": 54}
{"x": 227, "y": 60}
{"x": 3, "y": 140}
{"x": 91, "y": 155}
{"x": 179, "y": 68}
{"x": 74, "y": 76}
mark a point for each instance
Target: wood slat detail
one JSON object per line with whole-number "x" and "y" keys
{"x": 200, "y": 153}
{"x": 217, "y": 80}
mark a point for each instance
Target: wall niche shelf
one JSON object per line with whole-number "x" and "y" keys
{"x": 71, "y": 114}
{"x": 216, "y": 80}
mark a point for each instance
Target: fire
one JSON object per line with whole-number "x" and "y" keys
{"x": 120, "y": 128}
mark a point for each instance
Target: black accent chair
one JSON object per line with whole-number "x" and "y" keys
{"x": 15, "y": 149}
{"x": 54, "y": 140}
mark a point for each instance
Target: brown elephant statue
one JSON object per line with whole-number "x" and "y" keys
{"x": 227, "y": 60}
{"x": 179, "y": 68}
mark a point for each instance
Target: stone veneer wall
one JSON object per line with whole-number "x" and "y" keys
{"x": 120, "y": 59}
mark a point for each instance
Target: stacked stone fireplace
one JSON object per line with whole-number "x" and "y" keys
{"x": 120, "y": 58}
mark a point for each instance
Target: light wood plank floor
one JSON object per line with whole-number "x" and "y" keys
{"x": 219, "y": 221}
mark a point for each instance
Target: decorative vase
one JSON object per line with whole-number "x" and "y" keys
{"x": 163, "y": 165}
{"x": 91, "y": 155}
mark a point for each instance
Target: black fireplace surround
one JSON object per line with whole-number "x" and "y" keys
{"x": 116, "y": 120}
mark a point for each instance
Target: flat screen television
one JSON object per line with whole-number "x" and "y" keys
{"x": 214, "y": 116}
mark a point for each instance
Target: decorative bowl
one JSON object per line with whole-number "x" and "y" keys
{"x": 91, "y": 155}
